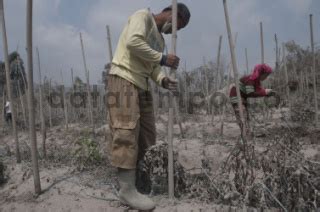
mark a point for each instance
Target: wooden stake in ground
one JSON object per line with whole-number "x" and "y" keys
{"x": 171, "y": 103}
{"x": 2, "y": 109}
{"x": 31, "y": 108}
{"x": 217, "y": 81}
{"x": 223, "y": 116}
{"x": 110, "y": 56}
{"x": 43, "y": 121}
{"x": 65, "y": 106}
{"x": 314, "y": 72}
{"x": 186, "y": 88}
{"x": 277, "y": 52}
{"x": 205, "y": 89}
{"x": 50, "y": 109}
{"x": 262, "y": 62}
{"x": 234, "y": 65}
{"x": 25, "y": 89}
{"x": 8, "y": 80}
{"x": 175, "y": 104}
{"x": 73, "y": 112}
{"x": 301, "y": 80}
{"x": 109, "y": 43}
{"x": 224, "y": 106}
{"x": 247, "y": 61}
{"x": 262, "y": 43}
{"x": 286, "y": 74}
{"x": 22, "y": 105}
{"x": 90, "y": 114}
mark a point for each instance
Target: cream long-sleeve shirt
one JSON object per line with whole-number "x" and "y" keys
{"x": 139, "y": 51}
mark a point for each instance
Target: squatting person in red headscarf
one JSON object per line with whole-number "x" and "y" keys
{"x": 250, "y": 87}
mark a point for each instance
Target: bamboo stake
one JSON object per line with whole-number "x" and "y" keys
{"x": 25, "y": 88}
{"x": 171, "y": 104}
{"x": 95, "y": 94}
{"x": 101, "y": 104}
{"x": 298, "y": 78}
{"x": 314, "y": 71}
{"x": 277, "y": 73}
{"x": 2, "y": 109}
{"x": 73, "y": 92}
{"x": 42, "y": 118}
{"x": 277, "y": 51}
{"x": 18, "y": 88}
{"x": 8, "y": 81}
{"x": 227, "y": 91}
{"x": 110, "y": 56}
{"x": 185, "y": 88}
{"x": 247, "y": 61}
{"x": 286, "y": 74}
{"x": 90, "y": 114}
{"x": 109, "y": 44}
{"x": 234, "y": 65}
{"x": 65, "y": 106}
{"x": 301, "y": 83}
{"x": 262, "y": 43}
{"x": 224, "y": 107}
{"x": 262, "y": 62}
{"x": 218, "y": 63}
{"x": 206, "y": 84}
{"x": 306, "y": 74}
{"x": 50, "y": 109}
{"x": 175, "y": 105}
{"x": 31, "y": 107}
{"x": 22, "y": 106}
{"x": 178, "y": 118}
{"x": 217, "y": 75}
{"x": 20, "y": 70}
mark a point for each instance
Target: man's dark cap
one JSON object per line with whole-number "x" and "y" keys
{"x": 183, "y": 12}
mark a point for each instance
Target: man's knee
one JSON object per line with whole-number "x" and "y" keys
{"x": 124, "y": 148}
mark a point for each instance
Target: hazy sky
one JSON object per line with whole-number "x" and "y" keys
{"x": 57, "y": 24}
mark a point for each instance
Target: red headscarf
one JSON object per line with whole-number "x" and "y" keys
{"x": 259, "y": 70}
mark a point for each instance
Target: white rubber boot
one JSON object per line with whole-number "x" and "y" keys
{"x": 128, "y": 193}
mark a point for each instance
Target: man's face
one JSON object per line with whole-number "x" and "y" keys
{"x": 167, "y": 27}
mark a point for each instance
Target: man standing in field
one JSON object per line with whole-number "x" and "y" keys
{"x": 8, "y": 113}
{"x": 138, "y": 58}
